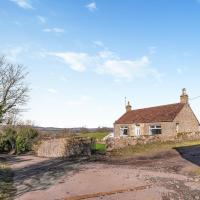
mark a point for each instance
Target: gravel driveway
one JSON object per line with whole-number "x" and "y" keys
{"x": 168, "y": 174}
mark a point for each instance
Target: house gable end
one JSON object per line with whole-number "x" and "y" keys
{"x": 187, "y": 120}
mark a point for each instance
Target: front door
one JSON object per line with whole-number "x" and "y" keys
{"x": 137, "y": 130}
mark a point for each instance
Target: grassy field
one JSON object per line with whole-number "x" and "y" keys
{"x": 153, "y": 147}
{"x": 96, "y": 135}
{"x": 6, "y": 181}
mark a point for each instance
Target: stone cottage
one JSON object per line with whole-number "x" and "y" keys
{"x": 165, "y": 120}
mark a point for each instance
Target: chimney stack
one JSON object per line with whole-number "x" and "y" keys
{"x": 128, "y": 107}
{"x": 184, "y": 97}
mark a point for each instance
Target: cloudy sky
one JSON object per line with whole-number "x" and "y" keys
{"x": 84, "y": 56}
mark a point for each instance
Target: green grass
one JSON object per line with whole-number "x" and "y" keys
{"x": 98, "y": 147}
{"x": 6, "y": 182}
{"x": 152, "y": 147}
{"x": 96, "y": 135}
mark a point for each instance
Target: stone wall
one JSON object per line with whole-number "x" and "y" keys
{"x": 168, "y": 129}
{"x": 62, "y": 147}
{"x": 117, "y": 143}
{"x": 187, "y": 136}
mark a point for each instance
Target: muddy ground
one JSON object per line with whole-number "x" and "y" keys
{"x": 167, "y": 174}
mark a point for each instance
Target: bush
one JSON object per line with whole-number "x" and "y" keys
{"x": 17, "y": 139}
{"x": 25, "y": 138}
{"x": 7, "y": 139}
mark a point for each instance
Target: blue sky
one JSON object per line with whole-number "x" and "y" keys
{"x": 84, "y": 56}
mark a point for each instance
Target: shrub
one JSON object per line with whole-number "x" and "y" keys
{"x": 7, "y": 139}
{"x": 25, "y": 138}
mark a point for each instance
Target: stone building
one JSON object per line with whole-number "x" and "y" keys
{"x": 165, "y": 120}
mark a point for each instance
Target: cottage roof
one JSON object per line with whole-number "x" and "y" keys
{"x": 164, "y": 113}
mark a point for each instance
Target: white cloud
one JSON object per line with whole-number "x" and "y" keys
{"x": 108, "y": 62}
{"x": 76, "y": 61}
{"x": 52, "y": 91}
{"x": 107, "y": 54}
{"x": 126, "y": 68}
{"x": 41, "y": 19}
{"x": 25, "y": 4}
{"x": 55, "y": 30}
{"x": 91, "y": 6}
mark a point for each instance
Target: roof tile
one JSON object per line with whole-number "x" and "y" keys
{"x": 165, "y": 113}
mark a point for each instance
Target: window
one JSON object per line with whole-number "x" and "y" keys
{"x": 124, "y": 131}
{"x": 155, "y": 129}
{"x": 137, "y": 130}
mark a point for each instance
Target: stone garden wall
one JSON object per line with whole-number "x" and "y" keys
{"x": 76, "y": 146}
{"x": 62, "y": 147}
{"x": 188, "y": 136}
{"x": 117, "y": 143}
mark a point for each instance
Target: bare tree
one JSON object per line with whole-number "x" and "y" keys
{"x": 13, "y": 89}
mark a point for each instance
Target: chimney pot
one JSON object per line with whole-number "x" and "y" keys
{"x": 128, "y": 107}
{"x": 184, "y": 97}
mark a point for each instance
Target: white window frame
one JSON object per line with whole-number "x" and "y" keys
{"x": 137, "y": 130}
{"x": 122, "y": 131}
{"x": 155, "y": 127}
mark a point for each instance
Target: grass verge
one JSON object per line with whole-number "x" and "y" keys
{"x": 6, "y": 181}
{"x": 152, "y": 147}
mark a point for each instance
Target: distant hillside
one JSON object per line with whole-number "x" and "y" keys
{"x": 53, "y": 130}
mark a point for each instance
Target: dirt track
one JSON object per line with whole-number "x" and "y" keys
{"x": 165, "y": 175}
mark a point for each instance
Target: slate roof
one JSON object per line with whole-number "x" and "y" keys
{"x": 165, "y": 113}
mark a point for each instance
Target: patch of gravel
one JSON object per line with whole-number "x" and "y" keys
{"x": 178, "y": 187}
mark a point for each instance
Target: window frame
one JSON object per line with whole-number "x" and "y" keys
{"x": 137, "y": 134}
{"x": 155, "y": 127}
{"x": 122, "y": 129}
